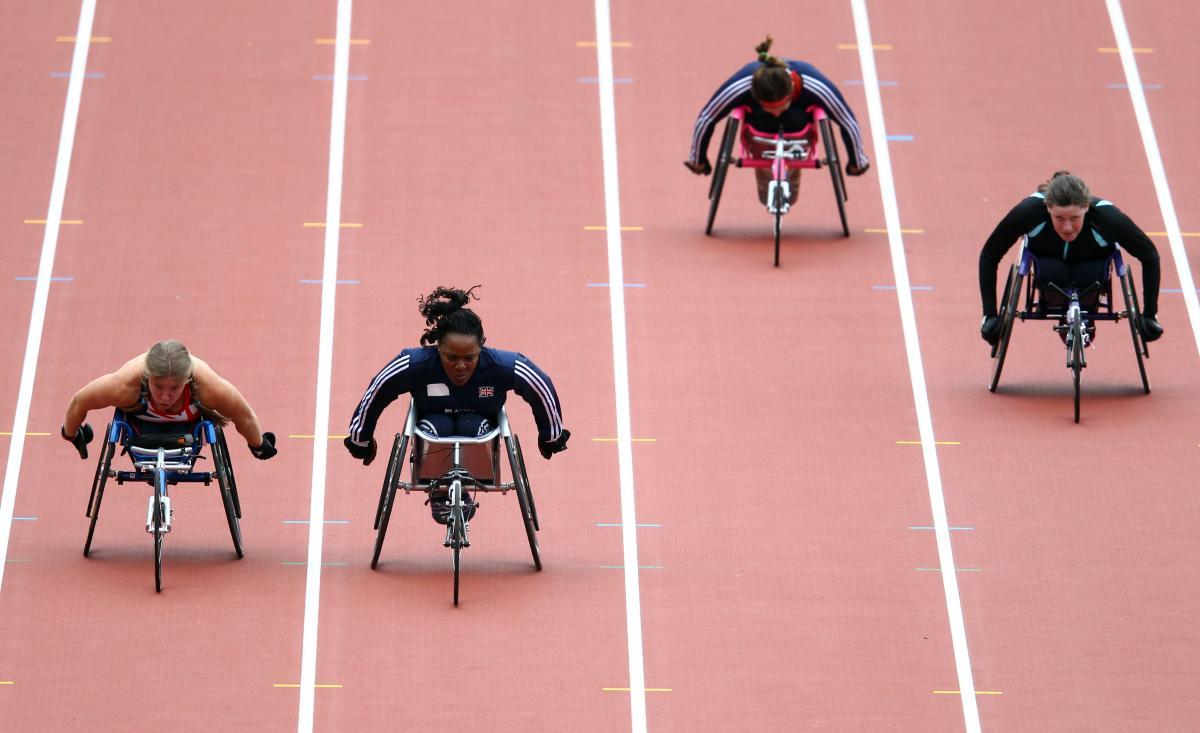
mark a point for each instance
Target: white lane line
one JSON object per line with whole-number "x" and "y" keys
{"x": 41, "y": 291}
{"x": 616, "y": 303}
{"x": 316, "y": 511}
{"x": 916, "y": 371}
{"x": 1137, "y": 95}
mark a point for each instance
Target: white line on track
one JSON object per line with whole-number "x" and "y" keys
{"x": 616, "y": 302}
{"x": 41, "y": 293}
{"x": 908, "y": 321}
{"x": 316, "y": 511}
{"x": 1137, "y": 95}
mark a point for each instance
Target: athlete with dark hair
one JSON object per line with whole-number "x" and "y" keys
{"x": 778, "y": 93}
{"x": 1072, "y": 250}
{"x": 457, "y": 384}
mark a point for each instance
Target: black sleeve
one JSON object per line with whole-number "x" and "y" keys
{"x": 1115, "y": 223}
{"x": 391, "y": 382}
{"x": 732, "y": 94}
{"x": 1023, "y": 217}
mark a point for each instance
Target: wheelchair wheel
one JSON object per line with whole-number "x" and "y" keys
{"x": 724, "y": 158}
{"x": 835, "y": 172}
{"x": 1135, "y": 318}
{"x": 778, "y": 220}
{"x": 525, "y": 502}
{"x": 387, "y": 495}
{"x": 103, "y": 465}
{"x": 157, "y": 520}
{"x": 1008, "y": 313}
{"x": 457, "y": 567}
{"x": 237, "y": 503}
{"x": 1077, "y": 362}
{"x": 525, "y": 480}
{"x": 228, "y": 492}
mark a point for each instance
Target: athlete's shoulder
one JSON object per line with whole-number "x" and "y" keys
{"x": 498, "y": 358}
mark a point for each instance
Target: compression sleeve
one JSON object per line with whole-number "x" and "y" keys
{"x": 1133, "y": 240}
{"x": 534, "y": 386}
{"x": 391, "y": 382}
{"x": 728, "y": 97}
{"x": 1023, "y": 217}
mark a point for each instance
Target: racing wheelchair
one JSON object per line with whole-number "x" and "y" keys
{"x": 459, "y": 466}
{"x": 163, "y": 460}
{"x": 781, "y": 152}
{"x": 1046, "y": 301}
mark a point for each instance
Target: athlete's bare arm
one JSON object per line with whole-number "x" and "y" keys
{"x": 118, "y": 389}
{"x": 217, "y": 393}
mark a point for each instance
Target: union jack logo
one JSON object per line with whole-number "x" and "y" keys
{"x": 487, "y": 391}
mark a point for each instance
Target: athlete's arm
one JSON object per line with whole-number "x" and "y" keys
{"x": 1133, "y": 240}
{"x": 219, "y": 395}
{"x": 1023, "y": 217}
{"x": 118, "y": 389}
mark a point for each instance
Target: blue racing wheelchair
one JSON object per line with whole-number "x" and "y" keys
{"x": 1075, "y": 311}
{"x": 164, "y": 460}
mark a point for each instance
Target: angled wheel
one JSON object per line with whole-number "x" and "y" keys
{"x": 1008, "y": 313}
{"x": 525, "y": 501}
{"x": 724, "y": 158}
{"x": 835, "y": 172}
{"x": 103, "y": 466}
{"x": 228, "y": 491}
{"x": 1133, "y": 309}
{"x": 233, "y": 491}
{"x": 157, "y": 525}
{"x": 525, "y": 480}
{"x": 387, "y": 495}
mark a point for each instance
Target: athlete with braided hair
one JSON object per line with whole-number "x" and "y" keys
{"x": 778, "y": 92}
{"x": 457, "y": 384}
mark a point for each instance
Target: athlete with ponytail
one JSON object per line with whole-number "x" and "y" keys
{"x": 778, "y": 92}
{"x": 457, "y": 384}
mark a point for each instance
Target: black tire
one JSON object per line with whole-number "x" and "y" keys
{"x": 233, "y": 490}
{"x": 523, "y": 499}
{"x": 156, "y": 524}
{"x": 457, "y": 566}
{"x": 225, "y": 485}
{"x": 528, "y": 489}
{"x": 103, "y": 465}
{"x": 1008, "y": 314}
{"x": 835, "y": 172}
{"x": 387, "y": 495}
{"x": 778, "y": 225}
{"x": 724, "y": 158}
{"x": 1133, "y": 309}
{"x": 1076, "y": 360}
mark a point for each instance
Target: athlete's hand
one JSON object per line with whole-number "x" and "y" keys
{"x": 83, "y": 436}
{"x": 1151, "y": 330}
{"x": 854, "y": 170}
{"x": 364, "y": 453}
{"x": 549, "y": 447}
{"x": 990, "y": 329}
{"x": 703, "y": 168}
{"x": 266, "y": 449}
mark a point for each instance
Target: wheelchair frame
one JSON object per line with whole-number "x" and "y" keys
{"x": 160, "y": 466}
{"x": 456, "y": 464}
{"x": 792, "y": 150}
{"x": 1024, "y": 274}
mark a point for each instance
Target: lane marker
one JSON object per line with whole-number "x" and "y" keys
{"x": 875, "y": 47}
{"x": 71, "y": 39}
{"x": 1154, "y": 160}
{"x": 605, "y": 285}
{"x": 644, "y": 689}
{"x": 900, "y": 138}
{"x": 1117, "y": 50}
{"x": 602, "y": 228}
{"x": 916, "y": 370}
{"x": 952, "y": 529}
{"x": 977, "y": 692}
{"x": 1116, "y": 85}
{"x": 332, "y": 41}
{"x": 327, "y": 521}
{"x": 957, "y": 570}
{"x": 28, "y": 434}
{"x": 67, "y": 75}
{"x": 24, "y": 519}
{"x": 936, "y": 442}
{"x": 316, "y": 512}
{"x": 876, "y": 230}
{"x": 881, "y": 82}
{"x": 343, "y": 225}
{"x": 324, "y": 564}
{"x": 59, "y": 279}
{"x": 16, "y": 561}
{"x": 622, "y": 567}
{"x": 1182, "y": 234}
{"x": 595, "y": 80}
{"x": 329, "y": 77}
{"x": 618, "y": 524}
{"x": 910, "y": 287}
{"x": 1170, "y": 290}
{"x": 331, "y": 437}
{"x": 339, "y": 282}
{"x": 41, "y": 293}
{"x": 7, "y": 682}
{"x": 61, "y": 221}
{"x": 620, "y": 346}
{"x": 289, "y": 684}
{"x": 615, "y": 44}
{"x": 613, "y": 440}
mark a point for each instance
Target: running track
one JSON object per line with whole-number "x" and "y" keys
{"x": 786, "y": 579}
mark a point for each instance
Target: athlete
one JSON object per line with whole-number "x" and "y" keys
{"x": 165, "y": 391}
{"x": 458, "y": 386}
{"x": 1072, "y": 234}
{"x": 778, "y": 93}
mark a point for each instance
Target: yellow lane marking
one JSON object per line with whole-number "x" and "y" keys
{"x": 959, "y": 692}
{"x": 313, "y": 437}
{"x": 635, "y": 440}
{"x": 936, "y": 442}
{"x": 1163, "y": 234}
{"x": 28, "y": 434}
{"x": 344, "y": 225}
{"x": 71, "y": 39}
{"x": 7, "y": 682}
{"x": 603, "y": 228}
{"x": 615, "y": 44}
{"x": 332, "y": 41}
{"x": 1117, "y": 50}
{"x": 648, "y": 689}
{"x": 902, "y": 231}
{"x": 854, "y": 46}
{"x": 61, "y": 221}
{"x": 288, "y": 684}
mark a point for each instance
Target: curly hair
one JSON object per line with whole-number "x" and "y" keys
{"x": 772, "y": 80}
{"x": 1064, "y": 189}
{"x": 444, "y": 313}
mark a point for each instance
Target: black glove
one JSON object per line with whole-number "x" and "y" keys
{"x": 1151, "y": 330}
{"x": 990, "y": 330}
{"x": 703, "y": 168}
{"x": 854, "y": 170}
{"x": 266, "y": 449}
{"x": 550, "y": 447}
{"x": 83, "y": 435}
{"x": 364, "y": 453}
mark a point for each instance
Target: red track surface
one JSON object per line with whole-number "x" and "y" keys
{"x": 785, "y": 586}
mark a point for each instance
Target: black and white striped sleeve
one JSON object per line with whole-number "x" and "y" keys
{"x": 534, "y": 386}
{"x": 731, "y": 95}
{"x": 831, "y": 100}
{"x": 391, "y": 382}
